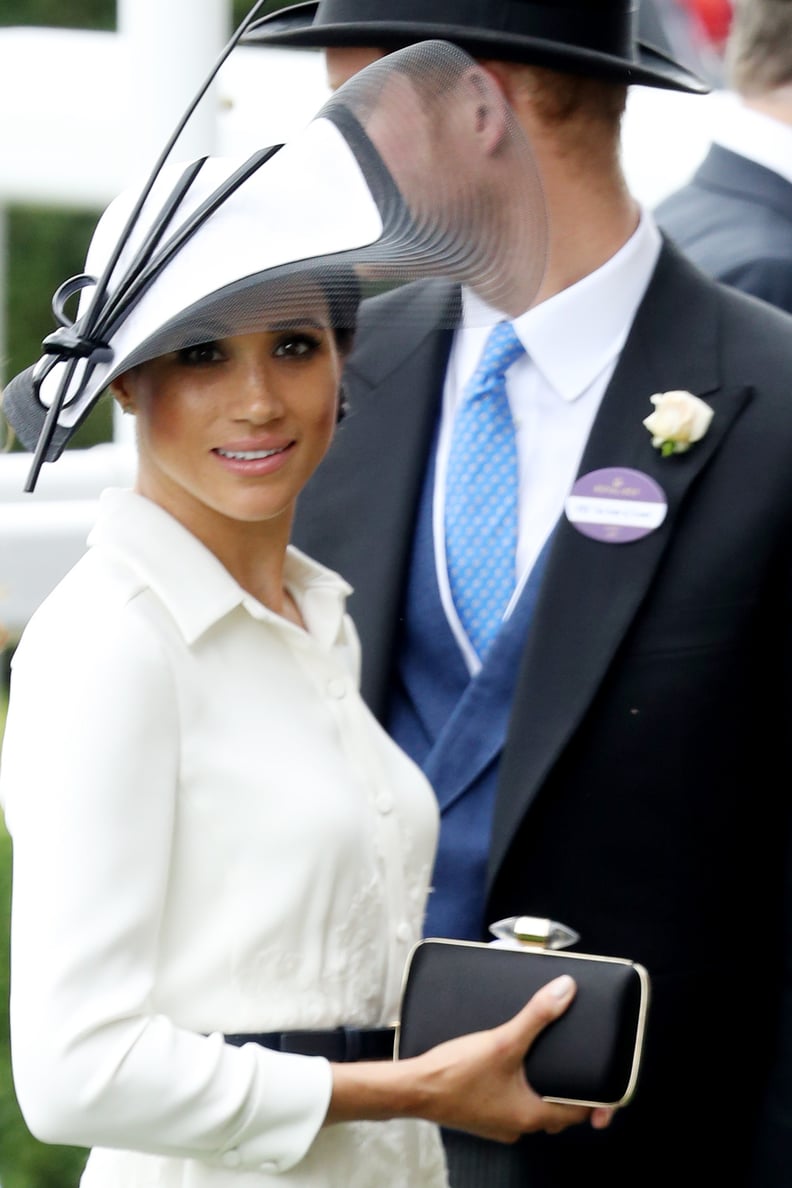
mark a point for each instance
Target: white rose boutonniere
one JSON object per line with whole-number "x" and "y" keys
{"x": 679, "y": 419}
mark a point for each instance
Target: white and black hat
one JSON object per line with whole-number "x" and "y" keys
{"x": 193, "y": 254}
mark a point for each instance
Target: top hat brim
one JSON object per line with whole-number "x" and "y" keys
{"x": 297, "y": 27}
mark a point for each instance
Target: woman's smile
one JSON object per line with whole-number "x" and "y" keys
{"x": 254, "y": 460}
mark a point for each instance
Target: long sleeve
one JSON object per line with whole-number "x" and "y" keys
{"x": 95, "y": 1063}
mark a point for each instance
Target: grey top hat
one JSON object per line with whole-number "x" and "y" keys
{"x": 593, "y": 37}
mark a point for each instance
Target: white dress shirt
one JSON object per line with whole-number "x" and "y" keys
{"x": 572, "y": 342}
{"x": 211, "y": 834}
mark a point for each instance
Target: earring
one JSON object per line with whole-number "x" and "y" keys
{"x": 343, "y": 405}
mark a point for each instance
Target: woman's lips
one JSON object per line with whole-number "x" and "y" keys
{"x": 253, "y": 460}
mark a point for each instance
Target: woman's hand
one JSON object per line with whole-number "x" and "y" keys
{"x": 477, "y": 1082}
{"x": 474, "y": 1083}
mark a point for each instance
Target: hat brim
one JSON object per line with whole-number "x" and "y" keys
{"x": 296, "y": 27}
{"x": 191, "y": 297}
{"x": 201, "y": 252}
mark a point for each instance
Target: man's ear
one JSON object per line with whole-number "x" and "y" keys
{"x": 491, "y": 109}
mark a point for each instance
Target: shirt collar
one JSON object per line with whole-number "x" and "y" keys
{"x": 754, "y": 135}
{"x": 193, "y": 585}
{"x": 573, "y": 336}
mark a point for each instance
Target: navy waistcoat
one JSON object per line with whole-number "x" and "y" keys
{"x": 454, "y": 726}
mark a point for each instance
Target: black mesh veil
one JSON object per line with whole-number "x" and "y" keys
{"x": 415, "y": 168}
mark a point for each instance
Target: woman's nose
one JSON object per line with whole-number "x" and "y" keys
{"x": 256, "y": 397}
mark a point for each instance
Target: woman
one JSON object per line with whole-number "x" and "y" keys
{"x": 217, "y": 850}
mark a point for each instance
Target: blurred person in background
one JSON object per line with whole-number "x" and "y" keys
{"x": 734, "y": 216}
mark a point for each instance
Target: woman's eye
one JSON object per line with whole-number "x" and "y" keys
{"x": 297, "y": 346}
{"x": 202, "y": 352}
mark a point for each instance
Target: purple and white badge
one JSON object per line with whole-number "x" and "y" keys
{"x": 616, "y": 504}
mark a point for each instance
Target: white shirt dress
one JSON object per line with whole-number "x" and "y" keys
{"x": 212, "y": 834}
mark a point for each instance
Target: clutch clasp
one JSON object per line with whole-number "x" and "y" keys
{"x": 532, "y": 932}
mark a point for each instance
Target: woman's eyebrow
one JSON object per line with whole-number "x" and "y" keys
{"x": 296, "y": 322}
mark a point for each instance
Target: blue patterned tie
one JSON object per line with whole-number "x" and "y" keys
{"x": 481, "y": 494}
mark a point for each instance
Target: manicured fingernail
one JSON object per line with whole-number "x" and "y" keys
{"x": 561, "y": 987}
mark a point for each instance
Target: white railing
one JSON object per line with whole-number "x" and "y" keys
{"x": 43, "y": 533}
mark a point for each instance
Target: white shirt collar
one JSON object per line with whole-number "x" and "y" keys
{"x": 753, "y": 134}
{"x": 193, "y": 585}
{"x": 573, "y": 336}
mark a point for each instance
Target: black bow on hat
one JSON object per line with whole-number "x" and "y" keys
{"x": 593, "y": 37}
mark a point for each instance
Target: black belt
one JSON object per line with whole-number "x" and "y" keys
{"x": 341, "y": 1045}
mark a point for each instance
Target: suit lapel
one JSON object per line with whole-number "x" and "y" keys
{"x": 592, "y": 590}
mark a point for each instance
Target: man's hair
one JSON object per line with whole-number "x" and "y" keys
{"x": 583, "y": 115}
{"x": 343, "y": 292}
{"x": 759, "y": 46}
{"x": 559, "y": 96}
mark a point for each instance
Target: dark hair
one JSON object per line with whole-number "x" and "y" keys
{"x": 343, "y": 293}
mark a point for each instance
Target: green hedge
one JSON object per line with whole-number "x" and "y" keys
{"x": 24, "y": 1162}
{"x": 45, "y": 246}
{"x": 93, "y": 14}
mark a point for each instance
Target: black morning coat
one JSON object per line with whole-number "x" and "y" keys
{"x": 645, "y": 783}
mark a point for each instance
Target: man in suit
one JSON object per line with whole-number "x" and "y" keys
{"x": 617, "y": 758}
{"x": 734, "y": 217}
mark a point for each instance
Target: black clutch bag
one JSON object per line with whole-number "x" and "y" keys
{"x": 591, "y": 1055}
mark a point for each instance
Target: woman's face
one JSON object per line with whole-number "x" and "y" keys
{"x": 233, "y": 429}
